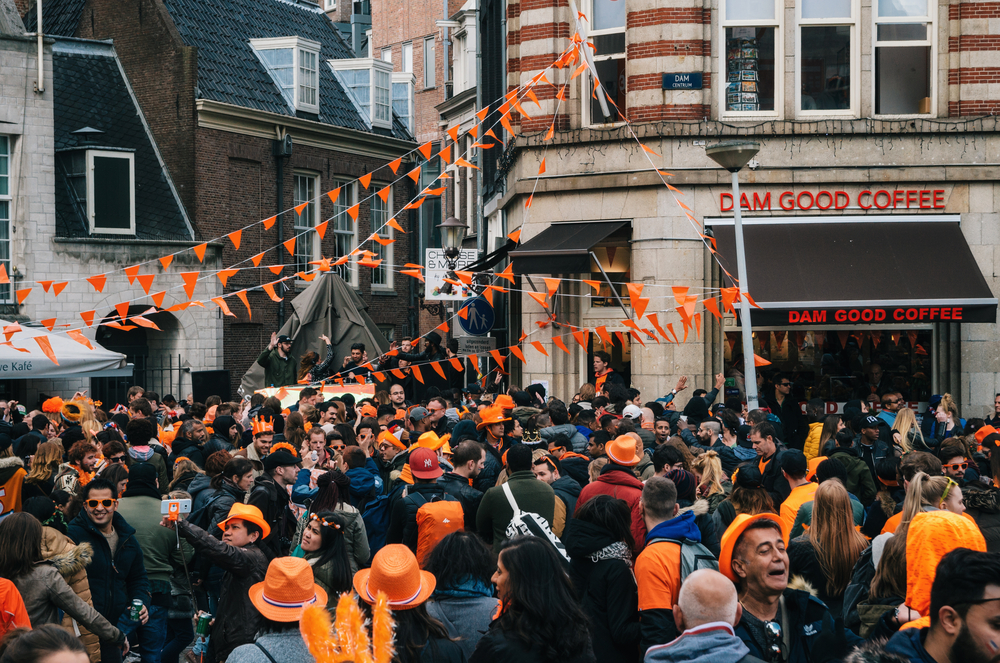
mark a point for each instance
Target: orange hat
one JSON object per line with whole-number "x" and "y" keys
{"x": 430, "y": 440}
{"x": 288, "y": 588}
{"x": 400, "y": 414}
{"x": 261, "y": 425}
{"x": 395, "y": 572}
{"x": 622, "y": 451}
{"x": 210, "y": 414}
{"x": 368, "y": 410}
{"x": 733, "y": 534}
{"x": 491, "y": 415}
{"x": 406, "y": 474}
{"x": 249, "y": 513}
{"x": 505, "y": 402}
{"x": 813, "y": 465}
{"x": 386, "y": 436}
{"x": 984, "y": 431}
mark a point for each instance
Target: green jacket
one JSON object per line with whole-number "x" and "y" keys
{"x": 495, "y": 512}
{"x": 859, "y": 477}
{"x": 159, "y": 544}
{"x": 278, "y": 372}
{"x": 804, "y": 517}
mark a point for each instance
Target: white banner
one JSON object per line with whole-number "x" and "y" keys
{"x": 436, "y": 265}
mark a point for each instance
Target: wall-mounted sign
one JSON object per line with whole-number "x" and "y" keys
{"x": 875, "y": 314}
{"x": 681, "y": 81}
{"x": 788, "y": 201}
{"x": 437, "y": 266}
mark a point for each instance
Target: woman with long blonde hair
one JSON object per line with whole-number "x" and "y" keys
{"x": 44, "y": 465}
{"x": 927, "y": 493}
{"x": 707, "y": 469}
{"x": 910, "y": 437}
{"x": 826, "y": 554}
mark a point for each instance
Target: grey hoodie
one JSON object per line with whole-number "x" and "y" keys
{"x": 576, "y": 438}
{"x": 709, "y": 643}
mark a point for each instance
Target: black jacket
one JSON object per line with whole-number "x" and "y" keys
{"x": 568, "y": 490}
{"x": 220, "y": 503}
{"x": 774, "y": 480}
{"x": 403, "y": 521}
{"x": 217, "y": 443}
{"x": 794, "y": 424}
{"x": 115, "y": 580}
{"x": 272, "y": 500}
{"x": 576, "y": 466}
{"x": 236, "y": 619}
{"x": 187, "y": 448}
{"x": 458, "y": 486}
{"x": 607, "y": 591}
{"x": 497, "y": 647}
{"x": 494, "y": 463}
{"x": 876, "y": 457}
{"x": 983, "y": 504}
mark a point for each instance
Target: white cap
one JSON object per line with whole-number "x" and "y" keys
{"x": 632, "y": 411}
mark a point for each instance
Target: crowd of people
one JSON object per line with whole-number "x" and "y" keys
{"x": 509, "y": 526}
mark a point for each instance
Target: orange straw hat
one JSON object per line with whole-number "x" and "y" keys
{"x": 288, "y": 588}
{"x": 395, "y": 572}
{"x": 733, "y": 534}
{"x": 250, "y": 513}
{"x": 491, "y": 415}
{"x": 622, "y": 451}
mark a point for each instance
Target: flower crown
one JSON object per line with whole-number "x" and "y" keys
{"x": 284, "y": 445}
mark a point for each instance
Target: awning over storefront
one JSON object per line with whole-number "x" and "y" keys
{"x": 24, "y": 359}
{"x": 563, "y": 248}
{"x": 857, "y": 270}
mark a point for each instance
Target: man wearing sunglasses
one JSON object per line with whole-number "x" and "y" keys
{"x": 953, "y": 462}
{"x": 116, "y": 573}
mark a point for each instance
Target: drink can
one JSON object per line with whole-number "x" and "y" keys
{"x": 135, "y": 610}
{"x": 203, "y": 623}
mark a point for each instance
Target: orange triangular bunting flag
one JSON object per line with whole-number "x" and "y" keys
{"x": 48, "y": 323}
{"x": 301, "y": 206}
{"x": 508, "y": 273}
{"x": 221, "y": 303}
{"x": 398, "y": 373}
{"x": 58, "y": 287}
{"x": 443, "y": 327}
{"x": 463, "y": 313}
{"x": 581, "y": 337}
{"x": 559, "y": 344}
{"x": 131, "y": 273}
{"x": 394, "y": 165}
{"x": 146, "y": 281}
{"x": 392, "y": 223}
{"x": 425, "y": 149}
{"x": 321, "y": 229}
{"x": 465, "y": 164}
{"x": 242, "y": 294}
{"x": 268, "y": 222}
{"x": 760, "y": 361}
{"x": 190, "y": 280}
{"x": 538, "y": 346}
{"x": 289, "y": 246}
{"x": 22, "y": 295}
{"x": 540, "y": 298}
{"x": 78, "y": 336}
{"x": 414, "y": 174}
{"x": 516, "y": 351}
{"x": 437, "y": 369}
{"x": 550, "y": 132}
{"x": 200, "y": 251}
{"x": 269, "y": 289}
{"x": 276, "y": 269}
{"x": 88, "y": 317}
{"x": 483, "y": 113}
{"x": 224, "y": 275}
{"x": 98, "y": 282}
{"x": 541, "y": 168}
{"x": 417, "y": 374}
{"x": 46, "y": 347}
{"x": 235, "y": 237}
{"x": 639, "y": 306}
{"x": 4, "y": 278}
{"x": 596, "y": 285}
{"x": 143, "y": 322}
{"x": 515, "y": 236}
{"x": 334, "y": 195}
{"x": 445, "y": 154}
{"x": 488, "y": 295}
{"x": 602, "y": 332}
{"x": 256, "y": 259}
{"x": 158, "y": 298}
{"x": 384, "y": 193}
{"x": 365, "y": 180}
{"x": 552, "y": 285}
{"x": 453, "y": 132}
{"x": 122, "y": 309}
{"x": 353, "y": 211}
{"x": 166, "y": 260}
{"x": 712, "y": 308}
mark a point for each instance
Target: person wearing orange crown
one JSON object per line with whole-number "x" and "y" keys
{"x": 491, "y": 435}
{"x": 263, "y": 435}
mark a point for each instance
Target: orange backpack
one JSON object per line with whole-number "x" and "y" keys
{"x": 436, "y": 519}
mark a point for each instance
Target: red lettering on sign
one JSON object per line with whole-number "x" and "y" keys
{"x": 925, "y": 199}
{"x": 723, "y": 197}
{"x": 888, "y": 199}
{"x": 897, "y": 197}
{"x": 939, "y": 199}
{"x": 759, "y": 204}
{"x": 798, "y": 200}
{"x": 879, "y": 314}
{"x": 911, "y": 314}
{"x": 897, "y": 314}
{"x": 911, "y": 194}
{"x": 862, "y": 195}
{"x": 956, "y": 314}
{"x": 829, "y": 197}
{"x": 847, "y": 200}
{"x": 793, "y": 316}
{"x": 934, "y": 313}
{"x": 743, "y": 201}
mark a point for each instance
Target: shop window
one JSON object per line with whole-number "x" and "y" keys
{"x": 307, "y": 246}
{"x": 344, "y": 230}
{"x": 615, "y": 257}
{"x": 293, "y": 64}
{"x": 369, "y": 82}
{"x": 607, "y": 34}
{"x": 751, "y": 39}
{"x": 380, "y": 215}
{"x": 827, "y": 58}
{"x": 5, "y": 202}
{"x": 903, "y": 58}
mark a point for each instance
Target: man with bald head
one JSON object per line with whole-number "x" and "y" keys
{"x": 707, "y": 608}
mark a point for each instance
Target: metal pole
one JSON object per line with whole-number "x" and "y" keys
{"x": 749, "y": 366}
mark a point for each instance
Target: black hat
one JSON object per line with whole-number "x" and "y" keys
{"x": 280, "y": 458}
{"x": 794, "y": 463}
{"x": 284, "y": 338}
{"x": 748, "y": 476}
{"x": 870, "y": 422}
{"x": 743, "y": 437}
{"x": 5, "y": 442}
{"x": 522, "y": 398}
{"x": 696, "y": 410}
{"x": 433, "y": 338}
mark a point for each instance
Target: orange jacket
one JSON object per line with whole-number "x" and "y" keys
{"x": 12, "y": 612}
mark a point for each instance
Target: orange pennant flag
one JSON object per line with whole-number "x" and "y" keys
{"x": 78, "y": 336}
{"x": 489, "y": 132}
{"x": 200, "y": 251}
{"x": 384, "y": 193}
{"x": 256, "y": 259}
{"x": 289, "y": 246}
{"x": 392, "y": 223}
{"x": 559, "y": 344}
{"x": 146, "y": 281}
{"x": 48, "y": 323}
{"x": 414, "y": 174}
{"x": 301, "y": 206}
{"x": 561, "y": 94}
{"x": 538, "y": 346}
{"x": 516, "y": 351}
{"x": 46, "y": 346}
{"x": 670, "y": 328}
{"x": 190, "y": 280}
{"x": 649, "y": 150}
{"x": 425, "y": 149}
{"x": 463, "y": 313}
{"x": 158, "y": 298}
{"x": 760, "y": 361}
{"x": 221, "y": 303}
{"x": 483, "y": 113}
{"x": 437, "y": 369}
{"x": 550, "y": 132}
{"x": 680, "y": 294}
{"x": 540, "y": 298}
{"x": 268, "y": 222}
{"x": 602, "y": 333}
{"x": 712, "y": 308}
{"x": 236, "y": 237}
{"x": 505, "y": 121}
{"x": 415, "y": 273}
{"x": 379, "y": 375}
{"x": 98, "y": 282}
{"x": 88, "y": 318}
{"x": 311, "y": 275}
{"x": 697, "y": 323}
{"x": 143, "y": 322}
{"x": 497, "y": 357}
{"x": 443, "y": 327}
{"x": 634, "y": 334}
{"x": 365, "y": 180}
{"x": 729, "y": 295}
{"x": 552, "y": 285}
{"x": 750, "y": 299}
{"x": 334, "y": 195}
{"x": 465, "y": 164}
{"x": 417, "y": 374}
{"x": 242, "y": 294}
{"x": 394, "y": 165}
{"x": 166, "y": 260}
{"x": 456, "y": 363}
{"x": 581, "y": 337}
{"x": 541, "y": 168}
{"x": 321, "y": 229}
{"x": 507, "y": 273}
{"x": 22, "y": 295}
{"x": 45, "y": 284}
{"x": 488, "y": 295}
{"x": 131, "y": 273}
{"x": 58, "y": 287}
{"x": 353, "y": 211}
{"x": 4, "y": 278}
{"x": 515, "y": 237}
{"x": 269, "y": 289}
{"x": 453, "y": 132}
{"x": 445, "y": 154}
{"x": 654, "y": 319}
{"x": 596, "y": 285}
{"x": 276, "y": 269}
{"x": 224, "y": 275}
{"x": 398, "y": 373}
{"x": 122, "y": 308}
{"x": 10, "y": 330}
{"x": 527, "y": 204}
{"x": 635, "y": 290}
{"x": 639, "y": 306}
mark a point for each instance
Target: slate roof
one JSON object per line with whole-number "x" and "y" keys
{"x": 90, "y": 90}
{"x": 230, "y": 72}
{"x": 60, "y": 18}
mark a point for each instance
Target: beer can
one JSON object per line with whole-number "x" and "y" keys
{"x": 135, "y": 610}
{"x": 204, "y": 619}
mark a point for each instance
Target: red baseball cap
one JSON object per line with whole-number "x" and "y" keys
{"x": 424, "y": 464}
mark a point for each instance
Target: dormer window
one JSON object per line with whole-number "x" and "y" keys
{"x": 103, "y": 185}
{"x": 369, "y": 82}
{"x": 293, "y": 63}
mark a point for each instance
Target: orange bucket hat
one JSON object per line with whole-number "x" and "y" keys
{"x": 504, "y": 402}
{"x": 395, "y": 572}
{"x": 622, "y": 451}
{"x": 491, "y": 415}
{"x": 288, "y": 588}
{"x": 249, "y": 513}
{"x": 733, "y": 534}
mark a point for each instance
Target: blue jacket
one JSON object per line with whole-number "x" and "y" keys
{"x": 363, "y": 481}
{"x": 114, "y": 581}
{"x": 679, "y": 528}
{"x": 908, "y": 644}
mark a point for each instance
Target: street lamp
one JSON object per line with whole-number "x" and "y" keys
{"x": 733, "y": 155}
{"x": 452, "y": 234}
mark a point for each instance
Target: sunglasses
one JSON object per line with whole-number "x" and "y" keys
{"x": 773, "y": 631}
{"x": 956, "y": 466}
{"x": 339, "y": 447}
{"x": 107, "y": 504}
{"x": 784, "y": 384}
{"x": 117, "y": 459}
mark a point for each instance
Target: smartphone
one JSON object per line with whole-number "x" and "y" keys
{"x": 683, "y": 418}
{"x": 184, "y": 506}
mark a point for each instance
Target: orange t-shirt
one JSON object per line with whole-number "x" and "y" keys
{"x": 658, "y": 575}
{"x": 762, "y": 464}
{"x": 790, "y": 507}
{"x": 10, "y": 492}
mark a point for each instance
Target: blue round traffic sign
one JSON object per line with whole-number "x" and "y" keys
{"x": 480, "y": 318}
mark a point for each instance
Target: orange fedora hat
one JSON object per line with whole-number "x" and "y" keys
{"x": 249, "y": 513}
{"x": 288, "y": 588}
{"x": 395, "y": 572}
{"x": 622, "y": 451}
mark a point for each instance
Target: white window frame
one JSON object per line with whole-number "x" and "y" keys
{"x": 587, "y": 80}
{"x": 932, "y": 41}
{"x": 407, "y": 79}
{"x": 779, "y": 61}
{"x": 298, "y": 45}
{"x": 130, "y": 157}
{"x": 341, "y": 219}
{"x": 378, "y": 69}
{"x": 331, "y": 5}
{"x": 470, "y": 199}
{"x": 6, "y": 202}
{"x": 430, "y": 74}
{"x": 386, "y": 252}
{"x": 387, "y": 54}
{"x": 406, "y": 59}
{"x": 853, "y": 22}
{"x": 306, "y": 221}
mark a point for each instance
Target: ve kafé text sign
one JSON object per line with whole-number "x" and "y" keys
{"x": 886, "y": 315}
{"x": 681, "y": 81}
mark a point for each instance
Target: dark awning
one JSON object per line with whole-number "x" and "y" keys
{"x": 563, "y": 248}
{"x": 859, "y": 270}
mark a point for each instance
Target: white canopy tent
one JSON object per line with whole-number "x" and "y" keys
{"x": 75, "y": 359}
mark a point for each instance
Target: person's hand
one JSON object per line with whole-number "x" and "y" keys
{"x": 941, "y": 416}
{"x": 904, "y": 614}
{"x": 498, "y": 378}
{"x": 681, "y": 384}
{"x": 346, "y": 360}
{"x": 307, "y": 462}
{"x": 125, "y": 647}
{"x": 309, "y": 377}
{"x": 325, "y": 339}
{"x": 143, "y": 615}
{"x": 77, "y": 395}
{"x": 274, "y": 341}
{"x": 682, "y": 425}
{"x": 166, "y": 522}
{"x": 720, "y": 380}
{"x": 393, "y": 345}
